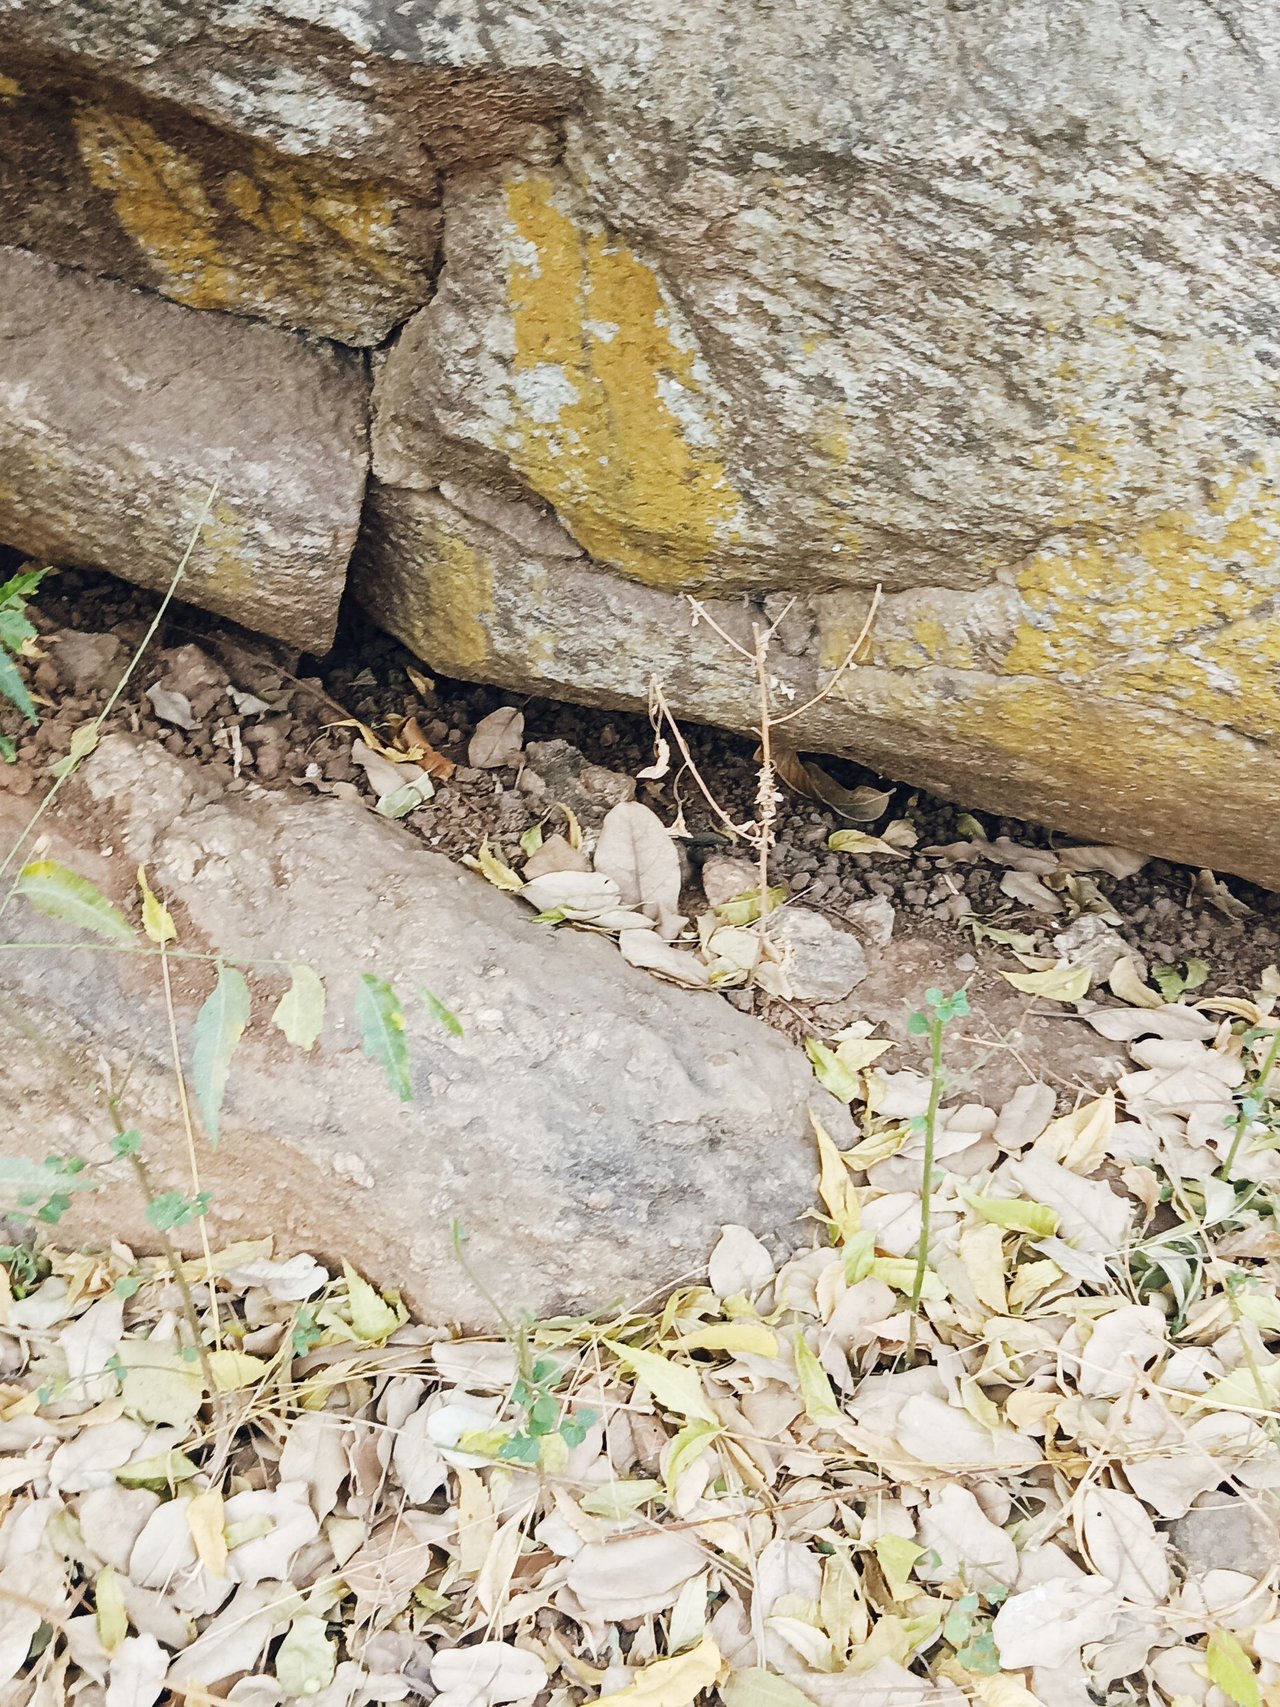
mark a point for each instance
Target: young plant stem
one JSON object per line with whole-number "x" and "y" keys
{"x": 937, "y": 1084}
{"x": 189, "y": 1129}
{"x": 110, "y": 706}
{"x": 1244, "y": 1118}
{"x": 142, "y": 1174}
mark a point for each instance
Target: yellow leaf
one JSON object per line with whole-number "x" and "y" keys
{"x": 998, "y": 1689}
{"x": 674, "y": 1682}
{"x": 858, "y": 842}
{"x": 685, "y": 1450}
{"x": 1230, "y": 1667}
{"x": 900, "y": 1273}
{"x": 1016, "y": 1214}
{"x": 835, "y": 1187}
{"x": 897, "y": 1556}
{"x": 756, "y": 1687}
{"x": 108, "y": 1600}
{"x": 207, "y": 1523}
{"x": 815, "y": 1388}
{"x": 859, "y": 1052}
{"x": 485, "y": 861}
{"x": 676, "y": 1386}
{"x": 751, "y": 1337}
{"x": 235, "y": 1369}
{"x": 1061, "y": 983}
{"x": 372, "y": 1318}
{"x": 982, "y": 1255}
{"x": 156, "y": 920}
{"x": 1079, "y": 1140}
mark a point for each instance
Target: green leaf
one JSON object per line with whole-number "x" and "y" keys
{"x": 172, "y": 1209}
{"x": 1231, "y": 1669}
{"x": 62, "y": 894}
{"x": 219, "y": 1026}
{"x": 1016, "y": 1214}
{"x": 436, "y": 1008}
{"x": 815, "y": 1389}
{"x": 756, "y": 1687}
{"x": 307, "y": 1657}
{"x": 897, "y": 1557}
{"x": 372, "y": 1318}
{"x": 14, "y": 688}
{"x": 676, "y": 1386}
{"x": 403, "y": 800}
{"x": 831, "y": 1072}
{"x": 108, "y": 1600}
{"x": 156, "y": 918}
{"x": 299, "y": 1013}
{"x": 382, "y": 1027}
{"x": 83, "y": 742}
{"x": 32, "y": 1181}
{"x": 163, "y": 1470}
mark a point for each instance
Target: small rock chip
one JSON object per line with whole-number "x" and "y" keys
{"x": 825, "y": 963}
{"x": 724, "y": 879}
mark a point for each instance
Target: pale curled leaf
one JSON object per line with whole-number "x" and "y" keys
{"x": 646, "y": 949}
{"x": 498, "y": 739}
{"x": 299, "y": 1013}
{"x": 636, "y": 851}
{"x": 1061, "y": 983}
{"x": 219, "y": 1027}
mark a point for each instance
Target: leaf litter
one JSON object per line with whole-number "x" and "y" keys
{"x": 755, "y": 1493}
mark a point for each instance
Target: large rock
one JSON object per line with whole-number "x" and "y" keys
{"x": 119, "y": 412}
{"x": 590, "y": 1131}
{"x": 974, "y": 303}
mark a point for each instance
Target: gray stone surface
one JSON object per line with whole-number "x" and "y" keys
{"x": 1225, "y": 1533}
{"x": 119, "y": 411}
{"x": 591, "y": 1131}
{"x": 973, "y": 303}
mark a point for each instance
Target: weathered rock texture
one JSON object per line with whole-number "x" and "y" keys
{"x": 975, "y": 303}
{"x": 120, "y": 412}
{"x": 591, "y": 1130}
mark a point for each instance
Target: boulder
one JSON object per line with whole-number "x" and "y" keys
{"x": 120, "y": 413}
{"x": 974, "y": 304}
{"x": 590, "y": 1130}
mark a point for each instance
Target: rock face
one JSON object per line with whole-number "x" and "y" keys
{"x": 974, "y": 304}
{"x": 591, "y": 1130}
{"x": 119, "y": 412}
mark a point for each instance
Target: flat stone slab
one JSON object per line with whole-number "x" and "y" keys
{"x": 590, "y": 1131}
{"x": 119, "y": 411}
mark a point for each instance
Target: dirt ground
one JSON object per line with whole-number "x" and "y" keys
{"x": 267, "y": 715}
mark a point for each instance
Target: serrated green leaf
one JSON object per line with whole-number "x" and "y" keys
{"x": 219, "y": 1026}
{"x": 299, "y": 1013}
{"x": 372, "y": 1318}
{"x": 14, "y": 688}
{"x": 436, "y": 1008}
{"x": 63, "y": 894}
{"x": 382, "y": 1028}
{"x": 1232, "y": 1670}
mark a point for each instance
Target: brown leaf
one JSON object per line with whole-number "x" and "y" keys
{"x": 498, "y": 739}
{"x": 411, "y": 738}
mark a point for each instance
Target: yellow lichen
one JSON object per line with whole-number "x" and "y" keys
{"x": 594, "y": 434}
{"x": 459, "y": 591}
{"x": 232, "y": 239}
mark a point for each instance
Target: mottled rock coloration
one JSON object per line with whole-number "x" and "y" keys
{"x": 974, "y": 304}
{"x": 120, "y": 413}
{"x": 590, "y": 1130}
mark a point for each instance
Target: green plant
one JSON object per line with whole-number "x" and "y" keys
{"x": 544, "y": 1413}
{"x": 1255, "y": 1104}
{"x": 17, "y": 631}
{"x": 931, "y": 1021}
